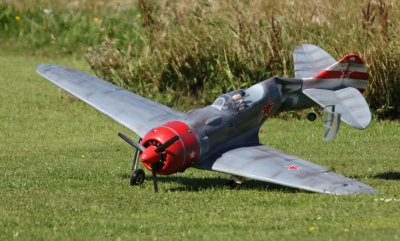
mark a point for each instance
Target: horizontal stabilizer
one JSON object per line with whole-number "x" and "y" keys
{"x": 349, "y": 102}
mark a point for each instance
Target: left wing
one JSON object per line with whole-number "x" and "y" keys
{"x": 267, "y": 164}
{"x": 131, "y": 110}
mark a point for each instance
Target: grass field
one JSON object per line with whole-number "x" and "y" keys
{"x": 65, "y": 176}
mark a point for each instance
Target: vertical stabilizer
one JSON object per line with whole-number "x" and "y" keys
{"x": 310, "y": 60}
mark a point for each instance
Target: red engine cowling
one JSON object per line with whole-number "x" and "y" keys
{"x": 178, "y": 156}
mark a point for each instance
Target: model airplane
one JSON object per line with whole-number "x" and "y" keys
{"x": 223, "y": 137}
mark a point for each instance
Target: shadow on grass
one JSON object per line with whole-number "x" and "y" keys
{"x": 193, "y": 184}
{"x": 388, "y": 176}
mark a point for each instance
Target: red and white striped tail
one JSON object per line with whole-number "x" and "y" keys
{"x": 348, "y": 72}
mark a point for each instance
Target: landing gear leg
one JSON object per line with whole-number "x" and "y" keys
{"x": 136, "y": 158}
{"x": 138, "y": 175}
{"x": 234, "y": 182}
{"x": 231, "y": 183}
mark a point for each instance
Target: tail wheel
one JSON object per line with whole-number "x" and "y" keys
{"x": 312, "y": 116}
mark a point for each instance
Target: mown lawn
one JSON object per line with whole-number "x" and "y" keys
{"x": 65, "y": 175}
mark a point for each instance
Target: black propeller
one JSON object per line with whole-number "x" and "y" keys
{"x": 164, "y": 146}
{"x": 154, "y": 171}
{"x": 133, "y": 143}
{"x": 161, "y": 148}
{"x": 155, "y": 167}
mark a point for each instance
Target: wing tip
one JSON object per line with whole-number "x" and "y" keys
{"x": 362, "y": 126}
{"x": 355, "y": 188}
{"x": 42, "y": 68}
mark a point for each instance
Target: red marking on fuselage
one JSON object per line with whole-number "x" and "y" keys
{"x": 267, "y": 109}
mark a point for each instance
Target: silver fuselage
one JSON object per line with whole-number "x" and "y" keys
{"x": 219, "y": 130}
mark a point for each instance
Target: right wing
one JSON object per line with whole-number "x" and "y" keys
{"x": 267, "y": 164}
{"x": 131, "y": 110}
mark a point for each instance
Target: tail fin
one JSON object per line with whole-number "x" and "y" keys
{"x": 309, "y": 60}
{"x": 336, "y": 85}
{"x": 350, "y": 71}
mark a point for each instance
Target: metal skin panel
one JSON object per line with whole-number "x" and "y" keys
{"x": 233, "y": 130}
{"x": 131, "y": 110}
{"x": 224, "y": 136}
{"x": 267, "y": 164}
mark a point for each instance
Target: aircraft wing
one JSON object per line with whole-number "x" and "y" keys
{"x": 131, "y": 110}
{"x": 267, "y": 164}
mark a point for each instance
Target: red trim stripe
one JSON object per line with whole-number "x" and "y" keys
{"x": 327, "y": 74}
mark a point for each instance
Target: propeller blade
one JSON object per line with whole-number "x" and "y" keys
{"x": 164, "y": 146}
{"x": 132, "y": 142}
{"x": 153, "y": 171}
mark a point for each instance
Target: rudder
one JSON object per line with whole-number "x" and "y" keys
{"x": 350, "y": 71}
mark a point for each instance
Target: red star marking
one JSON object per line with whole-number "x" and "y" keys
{"x": 293, "y": 168}
{"x": 267, "y": 108}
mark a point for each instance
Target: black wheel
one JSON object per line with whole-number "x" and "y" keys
{"x": 137, "y": 177}
{"x": 312, "y": 116}
{"x": 231, "y": 183}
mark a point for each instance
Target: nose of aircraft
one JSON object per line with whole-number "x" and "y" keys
{"x": 150, "y": 155}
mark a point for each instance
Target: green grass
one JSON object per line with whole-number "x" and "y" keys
{"x": 49, "y": 191}
{"x": 47, "y": 29}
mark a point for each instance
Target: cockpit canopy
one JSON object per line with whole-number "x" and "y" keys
{"x": 239, "y": 99}
{"x": 224, "y": 102}
{"x": 229, "y": 101}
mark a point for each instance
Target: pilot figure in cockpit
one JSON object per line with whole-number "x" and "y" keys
{"x": 238, "y": 98}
